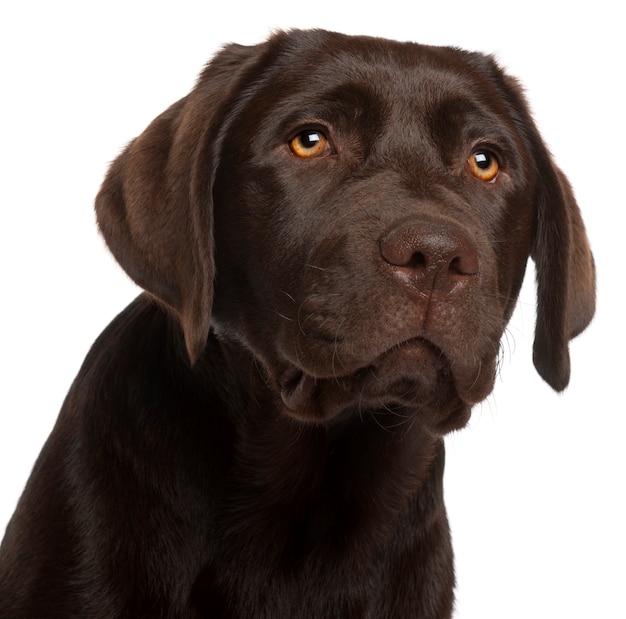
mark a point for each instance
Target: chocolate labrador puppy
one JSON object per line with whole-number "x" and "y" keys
{"x": 331, "y": 232}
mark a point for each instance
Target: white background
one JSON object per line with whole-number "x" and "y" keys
{"x": 535, "y": 484}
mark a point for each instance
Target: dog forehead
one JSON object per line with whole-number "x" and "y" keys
{"x": 345, "y": 76}
{"x": 309, "y": 49}
{"x": 395, "y": 65}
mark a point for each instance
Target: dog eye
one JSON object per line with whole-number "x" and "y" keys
{"x": 309, "y": 144}
{"x": 484, "y": 165}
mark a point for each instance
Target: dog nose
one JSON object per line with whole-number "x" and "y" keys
{"x": 430, "y": 256}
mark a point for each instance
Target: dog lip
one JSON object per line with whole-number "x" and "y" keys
{"x": 296, "y": 388}
{"x": 413, "y": 358}
{"x": 409, "y": 358}
{"x": 471, "y": 380}
{"x": 410, "y": 343}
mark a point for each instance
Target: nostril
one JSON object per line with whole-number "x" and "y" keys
{"x": 464, "y": 264}
{"x": 403, "y": 252}
{"x": 416, "y": 261}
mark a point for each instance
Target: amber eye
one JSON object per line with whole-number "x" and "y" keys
{"x": 309, "y": 144}
{"x": 484, "y": 165}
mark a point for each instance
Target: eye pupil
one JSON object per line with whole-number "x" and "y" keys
{"x": 483, "y": 161}
{"x": 310, "y": 139}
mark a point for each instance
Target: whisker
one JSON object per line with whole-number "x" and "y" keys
{"x": 289, "y": 296}
{"x": 287, "y": 318}
{"x": 323, "y": 269}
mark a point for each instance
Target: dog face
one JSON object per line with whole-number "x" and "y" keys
{"x": 358, "y": 214}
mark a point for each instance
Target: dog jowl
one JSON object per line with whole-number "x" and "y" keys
{"x": 331, "y": 233}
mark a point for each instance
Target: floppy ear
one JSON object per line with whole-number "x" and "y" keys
{"x": 565, "y": 276}
{"x": 566, "y": 296}
{"x": 154, "y": 208}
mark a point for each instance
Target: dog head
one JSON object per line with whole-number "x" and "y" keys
{"x": 357, "y": 214}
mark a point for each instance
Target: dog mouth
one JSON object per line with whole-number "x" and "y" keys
{"x": 412, "y": 375}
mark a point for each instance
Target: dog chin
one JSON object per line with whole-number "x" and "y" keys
{"x": 411, "y": 381}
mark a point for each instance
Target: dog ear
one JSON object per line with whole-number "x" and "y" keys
{"x": 154, "y": 208}
{"x": 565, "y": 270}
{"x": 564, "y": 263}
{"x": 565, "y": 276}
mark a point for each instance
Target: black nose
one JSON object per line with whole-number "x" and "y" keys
{"x": 430, "y": 256}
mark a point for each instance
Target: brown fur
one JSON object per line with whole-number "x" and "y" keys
{"x": 260, "y": 434}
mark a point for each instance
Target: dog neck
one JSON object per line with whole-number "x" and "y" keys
{"x": 351, "y": 481}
